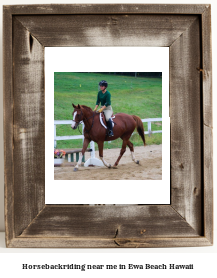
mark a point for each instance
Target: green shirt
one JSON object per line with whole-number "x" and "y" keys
{"x": 105, "y": 98}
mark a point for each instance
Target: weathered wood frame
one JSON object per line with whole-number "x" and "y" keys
{"x": 188, "y": 220}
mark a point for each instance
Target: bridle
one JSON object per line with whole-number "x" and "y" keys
{"x": 79, "y": 121}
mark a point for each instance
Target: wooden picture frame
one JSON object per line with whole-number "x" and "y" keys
{"x": 186, "y": 30}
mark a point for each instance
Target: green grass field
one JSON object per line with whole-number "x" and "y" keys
{"x": 140, "y": 96}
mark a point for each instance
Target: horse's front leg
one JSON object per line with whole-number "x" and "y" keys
{"x": 85, "y": 144}
{"x": 123, "y": 150}
{"x": 100, "y": 146}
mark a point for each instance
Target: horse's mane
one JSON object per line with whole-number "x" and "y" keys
{"x": 83, "y": 107}
{"x": 87, "y": 108}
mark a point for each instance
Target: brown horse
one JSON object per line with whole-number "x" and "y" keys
{"x": 94, "y": 131}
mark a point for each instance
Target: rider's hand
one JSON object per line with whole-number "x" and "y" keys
{"x": 94, "y": 109}
{"x": 100, "y": 110}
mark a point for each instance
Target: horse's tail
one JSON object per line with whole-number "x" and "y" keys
{"x": 140, "y": 127}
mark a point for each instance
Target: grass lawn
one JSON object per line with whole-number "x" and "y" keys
{"x": 139, "y": 96}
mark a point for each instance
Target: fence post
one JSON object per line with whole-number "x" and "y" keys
{"x": 55, "y": 142}
{"x": 149, "y": 128}
{"x": 92, "y": 146}
{"x": 93, "y": 160}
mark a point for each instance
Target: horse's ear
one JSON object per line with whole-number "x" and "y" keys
{"x": 73, "y": 105}
{"x": 79, "y": 107}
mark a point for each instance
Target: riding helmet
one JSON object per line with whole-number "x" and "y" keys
{"x": 103, "y": 83}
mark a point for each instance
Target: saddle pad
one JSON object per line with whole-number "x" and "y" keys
{"x": 101, "y": 118}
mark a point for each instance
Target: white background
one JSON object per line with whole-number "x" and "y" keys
{"x": 139, "y": 59}
{"x": 204, "y": 258}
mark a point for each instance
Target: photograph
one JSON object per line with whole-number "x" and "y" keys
{"x": 108, "y": 125}
{"x": 105, "y": 127}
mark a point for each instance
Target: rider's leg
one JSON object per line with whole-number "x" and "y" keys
{"x": 110, "y": 127}
{"x": 108, "y": 113}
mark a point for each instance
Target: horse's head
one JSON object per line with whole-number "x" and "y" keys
{"x": 77, "y": 116}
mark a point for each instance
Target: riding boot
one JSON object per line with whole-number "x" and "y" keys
{"x": 110, "y": 127}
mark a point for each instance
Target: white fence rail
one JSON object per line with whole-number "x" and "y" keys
{"x": 69, "y": 122}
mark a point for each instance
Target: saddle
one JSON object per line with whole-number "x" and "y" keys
{"x": 103, "y": 121}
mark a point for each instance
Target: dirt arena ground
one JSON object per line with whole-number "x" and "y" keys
{"x": 149, "y": 167}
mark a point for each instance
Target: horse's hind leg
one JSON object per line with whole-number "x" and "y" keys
{"x": 100, "y": 146}
{"x": 130, "y": 145}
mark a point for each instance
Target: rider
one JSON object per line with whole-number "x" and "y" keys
{"x": 105, "y": 98}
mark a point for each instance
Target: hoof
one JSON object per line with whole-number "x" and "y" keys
{"x": 109, "y": 166}
{"x": 137, "y": 162}
{"x": 115, "y": 167}
{"x": 75, "y": 170}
